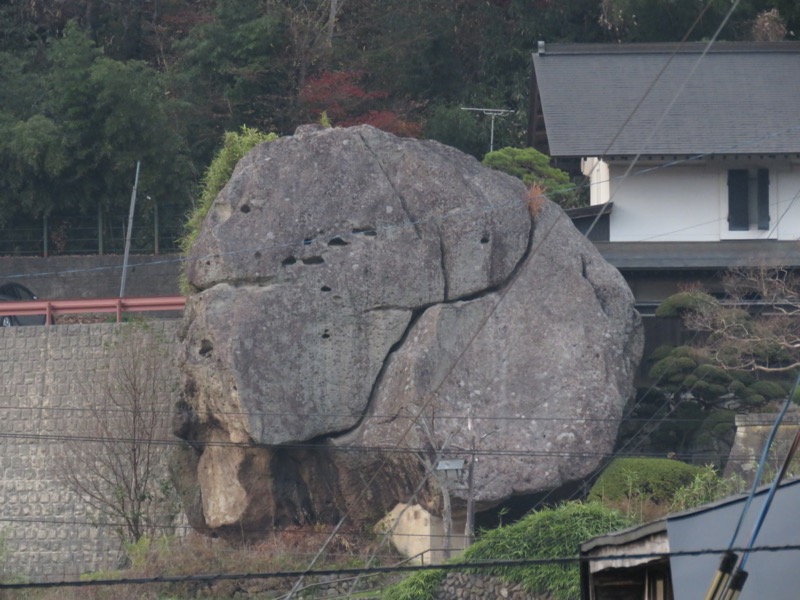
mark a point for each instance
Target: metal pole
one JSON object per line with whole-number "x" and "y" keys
{"x": 469, "y": 529}
{"x": 155, "y": 227}
{"x": 99, "y": 229}
{"x": 491, "y": 112}
{"x": 44, "y": 236}
{"x": 128, "y": 236}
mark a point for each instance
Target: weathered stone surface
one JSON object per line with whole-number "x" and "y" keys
{"x": 336, "y": 206}
{"x": 283, "y": 368}
{"x": 543, "y": 367}
{"x": 349, "y": 280}
{"x": 314, "y": 257}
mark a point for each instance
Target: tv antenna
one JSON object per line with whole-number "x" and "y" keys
{"x": 491, "y": 112}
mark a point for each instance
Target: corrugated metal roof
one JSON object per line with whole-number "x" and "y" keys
{"x": 741, "y": 99}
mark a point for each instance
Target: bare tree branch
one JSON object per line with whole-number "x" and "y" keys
{"x": 756, "y": 327}
{"x": 115, "y": 467}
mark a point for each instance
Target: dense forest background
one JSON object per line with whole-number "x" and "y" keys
{"x": 90, "y": 87}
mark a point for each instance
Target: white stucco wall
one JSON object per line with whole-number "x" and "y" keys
{"x": 689, "y": 203}
{"x": 788, "y": 203}
{"x": 597, "y": 172}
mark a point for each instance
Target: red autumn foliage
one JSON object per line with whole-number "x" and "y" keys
{"x": 387, "y": 120}
{"x": 341, "y": 96}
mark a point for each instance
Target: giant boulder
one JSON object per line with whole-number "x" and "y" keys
{"x": 367, "y": 304}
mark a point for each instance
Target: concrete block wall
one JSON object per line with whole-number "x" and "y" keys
{"x": 48, "y": 534}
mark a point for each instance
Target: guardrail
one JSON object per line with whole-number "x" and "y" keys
{"x": 50, "y": 308}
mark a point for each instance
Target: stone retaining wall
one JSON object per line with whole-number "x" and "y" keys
{"x": 752, "y": 432}
{"x": 463, "y": 586}
{"x": 47, "y": 533}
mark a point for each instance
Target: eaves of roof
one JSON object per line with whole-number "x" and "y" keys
{"x": 726, "y": 254}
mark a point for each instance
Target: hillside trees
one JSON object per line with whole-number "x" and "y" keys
{"x": 644, "y": 21}
{"x": 440, "y": 56}
{"x": 209, "y": 66}
{"x": 125, "y": 30}
{"x": 234, "y": 70}
{"x": 343, "y": 101}
{"x": 75, "y": 124}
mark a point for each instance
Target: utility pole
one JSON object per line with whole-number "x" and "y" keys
{"x": 130, "y": 226}
{"x": 447, "y": 471}
{"x": 469, "y": 527}
{"x": 491, "y": 112}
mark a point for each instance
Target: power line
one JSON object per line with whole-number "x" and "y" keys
{"x": 455, "y": 566}
{"x": 333, "y": 415}
{"x": 312, "y": 446}
{"x": 307, "y": 531}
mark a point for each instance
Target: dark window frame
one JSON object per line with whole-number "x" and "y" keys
{"x": 748, "y": 199}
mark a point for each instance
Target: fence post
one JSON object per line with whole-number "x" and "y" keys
{"x": 44, "y": 234}
{"x": 155, "y": 227}
{"x": 99, "y": 229}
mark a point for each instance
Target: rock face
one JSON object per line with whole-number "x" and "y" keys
{"x": 359, "y": 293}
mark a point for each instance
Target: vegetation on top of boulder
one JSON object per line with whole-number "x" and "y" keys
{"x": 549, "y": 533}
{"x": 533, "y": 167}
{"x": 235, "y": 147}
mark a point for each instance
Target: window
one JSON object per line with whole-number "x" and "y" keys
{"x": 748, "y": 199}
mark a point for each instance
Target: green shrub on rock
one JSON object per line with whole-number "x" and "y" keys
{"x": 234, "y": 147}
{"x": 531, "y": 166}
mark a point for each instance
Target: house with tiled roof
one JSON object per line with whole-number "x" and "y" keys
{"x": 692, "y": 154}
{"x": 676, "y": 557}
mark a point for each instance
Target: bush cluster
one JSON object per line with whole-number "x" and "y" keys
{"x": 653, "y": 479}
{"x": 549, "y": 533}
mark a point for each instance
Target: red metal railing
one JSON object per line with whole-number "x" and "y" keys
{"x": 50, "y": 308}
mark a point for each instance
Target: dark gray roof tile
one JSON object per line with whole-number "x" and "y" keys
{"x": 737, "y": 99}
